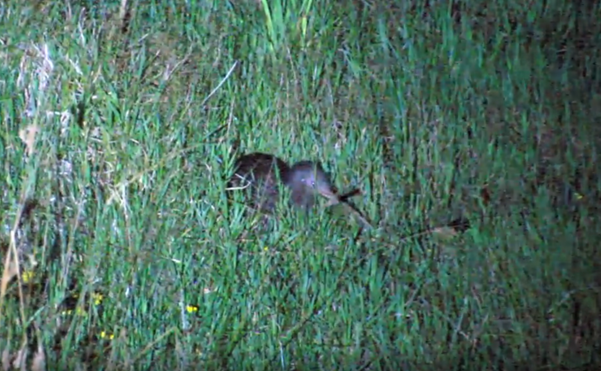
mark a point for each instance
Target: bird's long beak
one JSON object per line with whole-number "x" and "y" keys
{"x": 335, "y": 199}
{"x": 331, "y": 194}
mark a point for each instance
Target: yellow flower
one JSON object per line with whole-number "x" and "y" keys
{"x": 191, "y": 308}
{"x": 97, "y": 298}
{"x": 27, "y": 276}
{"x": 105, "y": 335}
{"x": 79, "y": 311}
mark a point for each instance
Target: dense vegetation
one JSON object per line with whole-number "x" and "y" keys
{"x": 120, "y": 121}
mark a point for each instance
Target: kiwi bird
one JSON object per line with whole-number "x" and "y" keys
{"x": 263, "y": 173}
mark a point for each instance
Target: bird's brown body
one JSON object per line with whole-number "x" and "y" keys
{"x": 263, "y": 174}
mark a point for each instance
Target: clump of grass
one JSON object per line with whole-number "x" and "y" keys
{"x": 120, "y": 120}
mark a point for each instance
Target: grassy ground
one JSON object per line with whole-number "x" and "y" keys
{"x": 118, "y": 125}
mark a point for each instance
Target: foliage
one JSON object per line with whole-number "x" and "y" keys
{"x": 121, "y": 249}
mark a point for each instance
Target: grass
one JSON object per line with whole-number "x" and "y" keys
{"x": 120, "y": 120}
